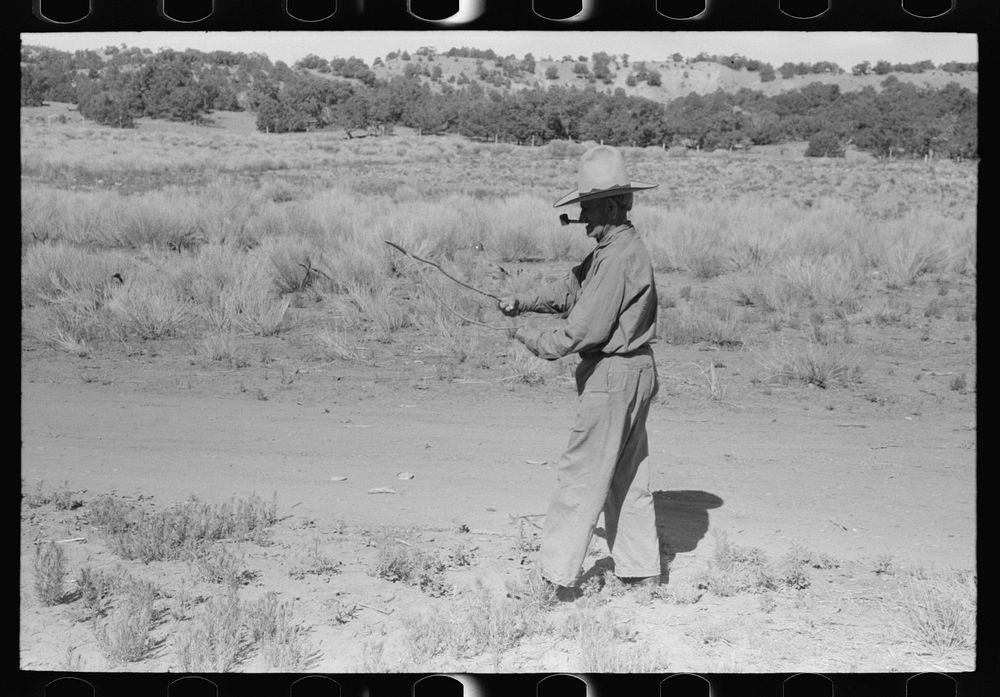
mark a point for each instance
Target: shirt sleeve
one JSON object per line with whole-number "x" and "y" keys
{"x": 558, "y": 297}
{"x": 591, "y": 321}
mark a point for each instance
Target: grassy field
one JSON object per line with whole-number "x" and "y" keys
{"x": 780, "y": 278}
{"x": 216, "y": 235}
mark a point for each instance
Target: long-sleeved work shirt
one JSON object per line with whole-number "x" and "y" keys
{"x": 610, "y": 299}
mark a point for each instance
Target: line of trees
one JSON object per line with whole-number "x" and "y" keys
{"x": 117, "y": 87}
{"x": 900, "y": 119}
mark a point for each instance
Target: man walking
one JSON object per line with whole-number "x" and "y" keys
{"x": 609, "y": 303}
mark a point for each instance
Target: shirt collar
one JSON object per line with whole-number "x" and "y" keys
{"x": 612, "y": 234}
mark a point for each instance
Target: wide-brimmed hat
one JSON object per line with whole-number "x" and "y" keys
{"x": 602, "y": 174}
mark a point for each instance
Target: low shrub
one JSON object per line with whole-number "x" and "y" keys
{"x": 401, "y": 563}
{"x": 49, "y": 567}
{"x": 125, "y": 635}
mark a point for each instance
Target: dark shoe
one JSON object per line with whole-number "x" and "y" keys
{"x": 638, "y": 581}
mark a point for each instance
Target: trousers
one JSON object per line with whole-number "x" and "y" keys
{"x": 605, "y": 469}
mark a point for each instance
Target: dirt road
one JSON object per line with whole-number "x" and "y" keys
{"x": 900, "y": 486}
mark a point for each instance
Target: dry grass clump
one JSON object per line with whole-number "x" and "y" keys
{"x": 799, "y": 555}
{"x": 82, "y": 302}
{"x": 125, "y": 635}
{"x": 167, "y": 534}
{"x": 735, "y": 569}
{"x": 764, "y": 291}
{"x": 218, "y": 563}
{"x": 314, "y": 563}
{"x": 166, "y": 219}
{"x": 224, "y": 347}
{"x": 795, "y": 283}
{"x": 822, "y": 360}
{"x": 150, "y": 307}
{"x": 830, "y": 280}
{"x": 893, "y": 309}
{"x": 478, "y": 622}
{"x": 250, "y": 302}
{"x": 229, "y": 211}
{"x": 49, "y": 567}
{"x": 702, "y": 319}
{"x": 203, "y": 275}
{"x": 232, "y": 291}
{"x": 402, "y": 563}
{"x": 336, "y": 342}
{"x": 380, "y": 309}
{"x": 281, "y": 641}
{"x": 940, "y": 611}
{"x": 293, "y": 261}
{"x": 607, "y": 641}
{"x": 710, "y": 239}
{"x": 55, "y": 271}
{"x": 427, "y": 634}
{"x": 924, "y": 243}
{"x": 62, "y": 498}
{"x": 97, "y": 587}
{"x": 52, "y": 215}
{"x": 493, "y": 623}
{"x": 214, "y": 640}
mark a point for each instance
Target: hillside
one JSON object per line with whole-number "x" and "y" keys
{"x": 678, "y": 79}
{"x": 679, "y": 76}
{"x": 705, "y": 102}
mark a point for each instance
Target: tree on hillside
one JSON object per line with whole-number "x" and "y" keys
{"x": 882, "y": 68}
{"x": 607, "y": 121}
{"x": 354, "y": 68}
{"x": 52, "y": 72}
{"x": 765, "y": 128}
{"x": 167, "y": 88}
{"x": 33, "y": 87}
{"x": 958, "y": 67}
{"x": 825, "y": 67}
{"x": 110, "y": 102}
{"x": 313, "y": 62}
{"x": 275, "y": 116}
{"x": 825, "y": 144}
{"x": 219, "y": 90}
{"x": 87, "y": 60}
{"x": 302, "y": 103}
{"x": 355, "y": 114}
{"x": 602, "y": 69}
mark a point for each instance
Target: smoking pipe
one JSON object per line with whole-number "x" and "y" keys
{"x": 566, "y": 220}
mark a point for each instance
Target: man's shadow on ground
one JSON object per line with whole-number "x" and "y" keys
{"x": 681, "y": 523}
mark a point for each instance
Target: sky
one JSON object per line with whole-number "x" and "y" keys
{"x": 844, "y": 48}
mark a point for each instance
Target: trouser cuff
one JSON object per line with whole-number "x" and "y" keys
{"x": 636, "y": 573}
